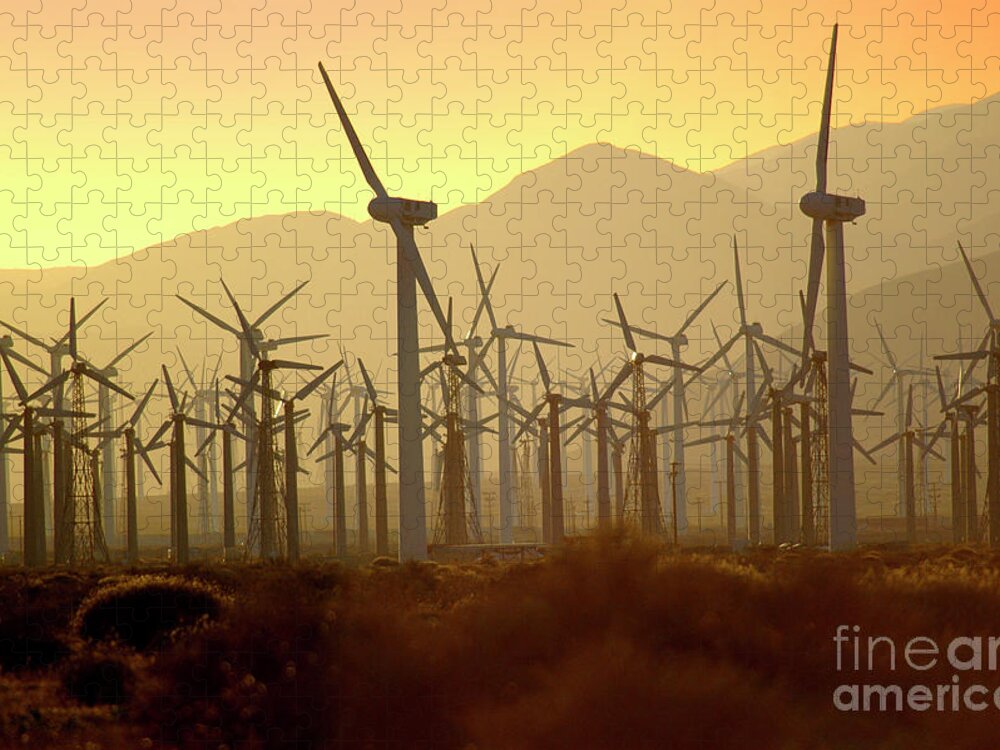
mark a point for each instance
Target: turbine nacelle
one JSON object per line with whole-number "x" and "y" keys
{"x": 410, "y": 212}
{"x": 830, "y": 207}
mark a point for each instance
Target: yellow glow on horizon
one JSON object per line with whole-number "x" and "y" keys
{"x": 125, "y": 127}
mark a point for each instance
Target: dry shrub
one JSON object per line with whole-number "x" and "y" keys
{"x": 99, "y": 676}
{"x": 610, "y": 642}
{"x": 35, "y": 609}
{"x": 142, "y": 612}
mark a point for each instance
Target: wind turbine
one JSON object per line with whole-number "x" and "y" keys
{"x": 989, "y": 350}
{"x": 403, "y": 215}
{"x": 229, "y": 431}
{"x": 732, "y": 452}
{"x": 179, "y": 464}
{"x": 104, "y": 408}
{"x": 264, "y": 532}
{"x": 79, "y": 533}
{"x": 7, "y": 345}
{"x": 897, "y": 378}
{"x": 553, "y": 532}
{"x": 505, "y": 445}
{"x": 251, "y": 338}
{"x": 642, "y": 438}
{"x": 906, "y": 438}
{"x": 950, "y": 425}
{"x": 131, "y": 446}
{"x": 382, "y": 415}
{"x": 57, "y": 350}
{"x": 676, "y": 341}
{"x": 203, "y": 397}
{"x": 829, "y": 212}
{"x": 33, "y": 535}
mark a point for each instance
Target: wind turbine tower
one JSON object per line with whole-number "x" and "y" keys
{"x": 829, "y": 212}
{"x": 403, "y": 215}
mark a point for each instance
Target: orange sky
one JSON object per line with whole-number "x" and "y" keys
{"x": 125, "y": 127}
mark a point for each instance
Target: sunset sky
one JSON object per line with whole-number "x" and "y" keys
{"x": 122, "y": 128}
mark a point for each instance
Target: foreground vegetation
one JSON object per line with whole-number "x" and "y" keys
{"x": 610, "y": 643}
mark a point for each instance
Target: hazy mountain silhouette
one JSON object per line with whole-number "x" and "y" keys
{"x": 568, "y": 234}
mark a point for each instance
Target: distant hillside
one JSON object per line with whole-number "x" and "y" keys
{"x": 567, "y": 235}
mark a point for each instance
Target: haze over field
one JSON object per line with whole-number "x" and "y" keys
{"x": 567, "y": 235}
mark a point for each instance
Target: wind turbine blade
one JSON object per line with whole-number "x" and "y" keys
{"x": 174, "y": 403}
{"x": 717, "y": 392}
{"x": 651, "y": 404}
{"x": 581, "y": 427}
{"x": 106, "y": 382}
{"x": 470, "y": 382}
{"x": 909, "y": 407}
{"x": 542, "y": 369}
{"x": 620, "y": 378}
{"x": 200, "y": 423}
{"x": 697, "y": 311}
{"x": 808, "y": 345}
{"x": 57, "y": 381}
{"x": 927, "y": 449}
{"x": 372, "y": 393}
{"x": 287, "y": 364}
{"x": 126, "y": 351}
{"x": 941, "y": 394}
{"x": 888, "y": 441}
{"x": 975, "y": 283}
{"x": 704, "y": 440}
{"x": 725, "y": 356}
{"x": 359, "y": 153}
{"x": 867, "y": 454}
{"x": 207, "y": 441}
{"x": 146, "y": 460}
{"x": 595, "y": 397}
{"x": 484, "y": 291}
{"x": 160, "y": 432}
{"x": 42, "y": 411}
{"x": 273, "y": 308}
{"x": 529, "y": 420}
{"x": 623, "y": 322}
{"x": 194, "y": 467}
{"x": 72, "y": 329}
{"x": 885, "y": 348}
{"x": 18, "y": 357}
{"x": 412, "y": 256}
{"x": 215, "y": 374}
{"x": 934, "y": 438}
{"x": 313, "y": 384}
{"x": 520, "y": 336}
{"x": 81, "y": 321}
{"x": 817, "y": 254}
{"x": 721, "y": 353}
{"x": 778, "y": 344}
{"x": 739, "y": 284}
{"x": 187, "y": 370}
{"x": 883, "y": 393}
{"x": 823, "y": 145}
{"x": 975, "y": 355}
{"x": 12, "y": 427}
{"x": 656, "y": 359}
{"x": 208, "y": 316}
{"x": 449, "y": 318}
{"x": 285, "y": 340}
{"x": 484, "y": 300}
{"x": 27, "y": 336}
{"x": 244, "y": 323}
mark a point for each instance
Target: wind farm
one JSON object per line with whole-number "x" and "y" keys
{"x": 604, "y": 436}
